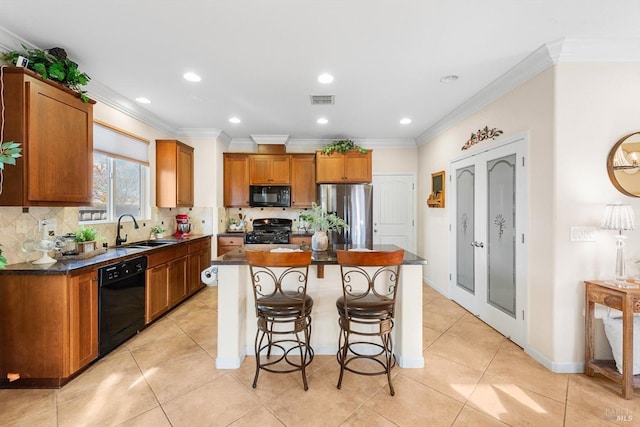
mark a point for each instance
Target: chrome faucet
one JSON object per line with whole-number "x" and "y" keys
{"x": 120, "y": 240}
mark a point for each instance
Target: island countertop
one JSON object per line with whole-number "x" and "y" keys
{"x": 328, "y": 257}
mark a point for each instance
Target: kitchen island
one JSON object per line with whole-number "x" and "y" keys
{"x": 237, "y": 320}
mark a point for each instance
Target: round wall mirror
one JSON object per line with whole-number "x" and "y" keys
{"x": 623, "y": 165}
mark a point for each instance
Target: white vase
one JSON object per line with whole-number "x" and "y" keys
{"x": 319, "y": 241}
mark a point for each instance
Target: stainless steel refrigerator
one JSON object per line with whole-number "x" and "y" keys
{"x": 354, "y": 204}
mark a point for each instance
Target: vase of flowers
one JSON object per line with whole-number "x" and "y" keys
{"x": 321, "y": 222}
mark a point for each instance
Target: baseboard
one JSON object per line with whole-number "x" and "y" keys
{"x": 558, "y": 368}
{"x": 410, "y": 362}
{"x": 232, "y": 363}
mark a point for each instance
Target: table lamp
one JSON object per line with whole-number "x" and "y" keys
{"x": 619, "y": 217}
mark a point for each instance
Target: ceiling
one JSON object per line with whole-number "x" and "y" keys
{"x": 259, "y": 59}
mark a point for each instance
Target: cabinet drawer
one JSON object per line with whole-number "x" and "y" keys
{"x": 231, "y": 241}
{"x": 300, "y": 240}
{"x": 161, "y": 256}
{"x": 199, "y": 245}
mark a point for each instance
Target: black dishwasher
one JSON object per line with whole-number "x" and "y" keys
{"x": 121, "y": 302}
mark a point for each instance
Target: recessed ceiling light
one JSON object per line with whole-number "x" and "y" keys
{"x": 234, "y": 120}
{"x": 405, "y": 121}
{"x": 192, "y": 77}
{"x": 143, "y": 100}
{"x": 325, "y": 78}
{"x": 322, "y": 121}
{"x": 449, "y": 79}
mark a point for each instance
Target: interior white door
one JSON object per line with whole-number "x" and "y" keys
{"x": 488, "y": 223}
{"x": 393, "y": 210}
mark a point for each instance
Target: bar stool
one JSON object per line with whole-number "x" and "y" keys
{"x": 366, "y": 310}
{"x": 283, "y": 310}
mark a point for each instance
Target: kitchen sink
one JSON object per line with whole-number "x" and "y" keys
{"x": 147, "y": 244}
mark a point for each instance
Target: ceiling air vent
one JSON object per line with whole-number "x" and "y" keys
{"x": 322, "y": 99}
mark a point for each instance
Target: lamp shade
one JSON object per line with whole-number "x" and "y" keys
{"x": 618, "y": 216}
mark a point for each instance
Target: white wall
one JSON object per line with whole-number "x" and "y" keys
{"x": 573, "y": 113}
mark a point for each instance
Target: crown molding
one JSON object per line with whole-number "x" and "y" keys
{"x": 213, "y": 133}
{"x": 565, "y": 50}
{"x": 270, "y": 139}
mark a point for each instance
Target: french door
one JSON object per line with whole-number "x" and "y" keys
{"x": 488, "y": 221}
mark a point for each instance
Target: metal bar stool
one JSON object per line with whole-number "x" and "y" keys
{"x": 283, "y": 310}
{"x": 366, "y": 310}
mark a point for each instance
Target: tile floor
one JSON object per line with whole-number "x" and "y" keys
{"x": 473, "y": 376}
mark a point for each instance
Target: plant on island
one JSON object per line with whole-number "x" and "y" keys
{"x": 319, "y": 220}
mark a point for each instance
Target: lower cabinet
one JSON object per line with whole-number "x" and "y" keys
{"x": 177, "y": 285}
{"x": 229, "y": 243}
{"x": 199, "y": 259}
{"x": 48, "y": 327}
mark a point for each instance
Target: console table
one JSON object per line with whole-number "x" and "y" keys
{"x": 627, "y": 300}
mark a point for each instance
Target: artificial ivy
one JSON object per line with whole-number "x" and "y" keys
{"x": 342, "y": 146}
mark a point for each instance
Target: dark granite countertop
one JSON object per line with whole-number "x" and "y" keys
{"x": 236, "y": 256}
{"x": 113, "y": 254}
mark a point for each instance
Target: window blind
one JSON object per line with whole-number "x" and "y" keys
{"x": 120, "y": 144}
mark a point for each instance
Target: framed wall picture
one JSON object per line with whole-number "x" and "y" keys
{"x": 436, "y": 198}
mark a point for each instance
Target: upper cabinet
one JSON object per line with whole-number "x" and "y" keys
{"x": 336, "y": 168}
{"x": 303, "y": 180}
{"x": 55, "y": 128}
{"x": 269, "y": 169}
{"x": 236, "y": 180}
{"x": 174, "y": 174}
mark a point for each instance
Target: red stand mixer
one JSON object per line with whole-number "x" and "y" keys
{"x": 183, "y": 226}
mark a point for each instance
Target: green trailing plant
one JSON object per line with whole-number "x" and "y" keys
{"x": 342, "y": 146}
{"x": 53, "y": 64}
{"x": 3, "y": 260}
{"x": 319, "y": 220}
{"x": 87, "y": 234}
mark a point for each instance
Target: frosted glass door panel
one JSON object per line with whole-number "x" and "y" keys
{"x": 465, "y": 207}
{"x": 501, "y": 251}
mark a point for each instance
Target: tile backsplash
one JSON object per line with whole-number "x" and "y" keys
{"x": 17, "y": 226}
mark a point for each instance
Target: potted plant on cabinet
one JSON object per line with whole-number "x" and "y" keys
{"x": 86, "y": 238}
{"x": 321, "y": 221}
{"x": 158, "y": 231}
{"x": 342, "y": 146}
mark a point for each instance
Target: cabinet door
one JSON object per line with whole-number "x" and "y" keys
{"x": 185, "y": 176}
{"x": 269, "y": 169}
{"x": 177, "y": 280}
{"x": 83, "y": 320}
{"x": 303, "y": 180}
{"x": 329, "y": 168}
{"x": 236, "y": 180}
{"x": 157, "y": 300}
{"x": 357, "y": 166}
{"x": 59, "y": 150}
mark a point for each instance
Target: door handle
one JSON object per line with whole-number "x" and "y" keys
{"x": 477, "y": 244}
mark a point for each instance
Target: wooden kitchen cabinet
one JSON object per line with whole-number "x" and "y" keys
{"x": 48, "y": 327}
{"x": 300, "y": 239}
{"x": 166, "y": 280}
{"x": 236, "y": 180}
{"x": 174, "y": 174}
{"x": 350, "y": 167}
{"x": 55, "y": 128}
{"x": 303, "y": 180}
{"x": 199, "y": 259}
{"x": 269, "y": 169}
{"x": 229, "y": 243}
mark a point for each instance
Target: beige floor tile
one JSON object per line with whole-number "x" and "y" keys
{"x": 217, "y": 403}
{"x": 470, "y": 417}
{"x": 429, "y": 294}
{"x": 258, "y": 417}
{"x": 114, "y": 401}
{"x": 165, "y": 328}
{"x": 446, "y": 307}
{"x": 172, "y": 379}
{"x": 16, "y": 406}
{"x": 114, "y": 368}
{"x": 153, "y": 418}
{"x": 429, "y": 336}
{"x": 436, "y": 321}
{"x": 414, "y": 404}
{"x": 152, "y": 355}
{"x": 469, "y": 342}
{"x": 446, "y": 376}
{"x": 514, "y": 366}
{"x": 600, "y": 397}
{"x": 321, "y": 405}
{"x": 366, "y": 417}
{"x": 514, "y": 405}
{"x": 270, "y": 385}
{"x": 578, "y": 418}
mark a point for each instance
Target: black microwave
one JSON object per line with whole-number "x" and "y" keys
{"x": 269, "y": 195}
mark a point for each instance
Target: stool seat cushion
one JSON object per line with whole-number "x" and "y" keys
{"x": 368, "y": 307}
{"x": 279, "y": 305}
